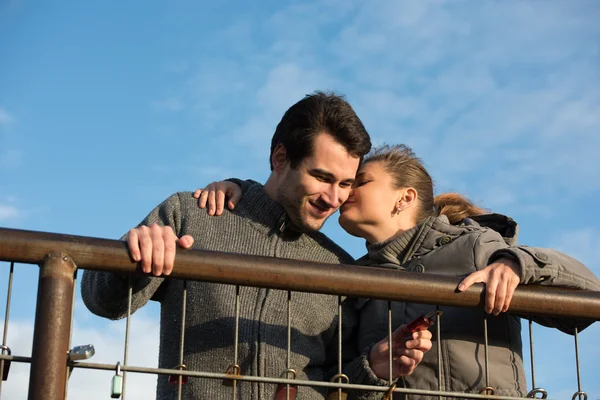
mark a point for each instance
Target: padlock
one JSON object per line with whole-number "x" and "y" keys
{"x": 6, "y": 363}
{"x": 337, "y": 394}
{"x": 117, "y": 384}
{"x": 234, "y": 371}
{"x": 282, "y": 389}
{"x": 174, "y": 379}
{"x": 79, "y": 353}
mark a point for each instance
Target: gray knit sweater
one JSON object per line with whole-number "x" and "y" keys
{"x": 258, "y": 226}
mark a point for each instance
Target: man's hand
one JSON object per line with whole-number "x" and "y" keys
{"x": 408, "y": 349}
{"x": 213, "y": 196}
{"x": 501, "y": 279}
{"x": 155, "y": 247}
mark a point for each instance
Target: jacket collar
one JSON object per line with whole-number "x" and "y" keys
{"x": 398, "y": 249}
{"x": 424, "y": 237}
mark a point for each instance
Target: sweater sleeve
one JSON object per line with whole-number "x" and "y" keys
{"x": 539, "y": 266}
{"x": 106, "y": 294}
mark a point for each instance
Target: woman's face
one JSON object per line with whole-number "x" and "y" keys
{"x": 372, "y": 202}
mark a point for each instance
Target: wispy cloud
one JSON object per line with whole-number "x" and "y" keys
{"x": 284, "y": 85}
{"x": 583, "y": 244}
{"x": 5, "y": 117}
{"x": 452, "y": 80}
{"x": 507, "y": 89}
{"x": 9, "y": 212}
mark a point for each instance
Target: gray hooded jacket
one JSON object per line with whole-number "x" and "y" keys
{"x": 438, "y": 247}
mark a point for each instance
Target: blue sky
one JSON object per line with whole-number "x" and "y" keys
{"x": 106, "y": 108}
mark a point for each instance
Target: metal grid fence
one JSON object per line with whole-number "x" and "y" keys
{"x": 60, "y": 256}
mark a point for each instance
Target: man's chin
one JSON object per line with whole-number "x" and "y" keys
{"x": 311, "y": 224}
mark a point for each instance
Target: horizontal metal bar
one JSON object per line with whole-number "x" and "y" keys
{"x": 297, "y": 382}
{"x": 19, "y": 359}
{"x": 350, "y": 280}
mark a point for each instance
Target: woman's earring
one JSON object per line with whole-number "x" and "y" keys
{"x": 398, "y": 210}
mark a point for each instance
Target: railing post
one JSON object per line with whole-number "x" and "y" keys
{"x": 52, "y": 328}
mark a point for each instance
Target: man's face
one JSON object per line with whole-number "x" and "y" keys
{"x": 319, "y": 185}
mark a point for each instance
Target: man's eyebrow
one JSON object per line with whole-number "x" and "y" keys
{"x": 327, "y": 174}
{"x": 321, "y": 172}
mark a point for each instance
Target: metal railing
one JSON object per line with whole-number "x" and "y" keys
{"x": 60, "y": 256}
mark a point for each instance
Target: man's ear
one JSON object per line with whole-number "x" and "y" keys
{"x": 279, "y": 158}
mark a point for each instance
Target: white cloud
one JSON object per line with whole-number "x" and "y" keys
{"x": 283, "y": 86}
{"x": 9, "y": 211}
{"x": 108, "y": 341}
{"x": 507, "y": 89}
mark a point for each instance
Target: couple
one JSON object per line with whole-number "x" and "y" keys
{"x": 316, "y": 151}
{"x": 392, "y": 206}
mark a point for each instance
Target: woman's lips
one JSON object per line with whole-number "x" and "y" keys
{"x": 346, "y": 205}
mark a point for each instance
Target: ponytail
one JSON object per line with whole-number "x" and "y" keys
{"x": 456, "y": 207}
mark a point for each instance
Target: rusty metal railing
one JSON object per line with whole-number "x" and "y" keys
{"x": 59, "y": 256}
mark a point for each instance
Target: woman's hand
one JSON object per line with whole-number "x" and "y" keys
{"x": 407, "y": 352}
{"x": 501, "y": 279}
{"x": 214, "y": 196}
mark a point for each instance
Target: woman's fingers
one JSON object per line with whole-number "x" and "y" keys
{"x": 475, "y": 277}
{"x": 235, "y": 196}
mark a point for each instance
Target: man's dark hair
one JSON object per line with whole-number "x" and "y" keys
{"x": 315, "y": 114}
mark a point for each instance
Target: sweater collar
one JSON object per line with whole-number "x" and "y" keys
{"x": 399, "y": 248}
{"x": 260, "y": 209}
{"x": 265, "y": 214}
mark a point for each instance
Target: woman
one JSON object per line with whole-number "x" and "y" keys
{"x": 392, "y": 206}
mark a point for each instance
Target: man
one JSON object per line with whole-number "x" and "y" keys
{"x": 315, "y": 153}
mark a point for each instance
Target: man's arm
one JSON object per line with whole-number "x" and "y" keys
{"x": 153, "y": 244}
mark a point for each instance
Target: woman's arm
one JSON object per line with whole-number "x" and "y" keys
{"x": 532, "y": 265}
{"x": 215, "y": 194}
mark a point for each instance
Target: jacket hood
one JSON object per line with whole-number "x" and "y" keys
{"x": 505, "y": 226}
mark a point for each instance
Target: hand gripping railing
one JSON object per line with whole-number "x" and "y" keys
{"x": 60, "y": 255}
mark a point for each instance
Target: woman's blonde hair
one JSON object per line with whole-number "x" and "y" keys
{"x": 407, "y": 170}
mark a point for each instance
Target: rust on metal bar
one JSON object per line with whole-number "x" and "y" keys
{"x": 276, "y": 273}
{"x": 52, "y": 328}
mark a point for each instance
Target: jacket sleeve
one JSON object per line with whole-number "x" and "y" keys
{"x": 539, "y": 266}
{"x": 106, "y": 294}
{"x": 355, "y": 361}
